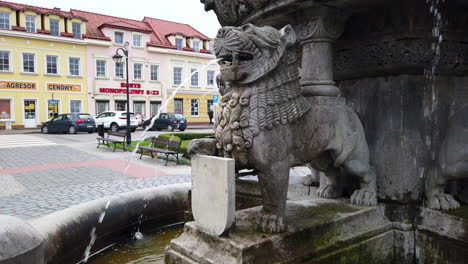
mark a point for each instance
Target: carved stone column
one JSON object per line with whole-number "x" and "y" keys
{"x": 324, "y": 25}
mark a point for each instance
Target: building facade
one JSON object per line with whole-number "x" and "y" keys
{"x": 54, "y": 62}
{"x": 42, "y": 65}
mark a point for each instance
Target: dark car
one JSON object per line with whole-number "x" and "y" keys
{"x": 70, "y": 123}
{"x": 167, "y": 121}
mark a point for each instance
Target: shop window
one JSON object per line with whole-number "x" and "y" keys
{"x": 120, "y": 105}
{"x": 54, "y": 27}
{"x": 179, "y": 43}
{"x": 74, "y": 66}
{"x": 30, "y": 23}
{"x": 119, "y": 37}
{"x": 51, "y": 64}
{"x": 5, "y": 20}
{"x": 137, "y": 39}
{"x": 137, "y": 69}
{"x": 52, "y": 109}
{"x": 5, "y": 109}
{"x": 210, "y": 78}
{"x": 75, "y": 106}
{"x": 177, "y": 75}
{"x": 4, "y": 61}
{"x": 76, "y": 30}
{"x": 196, "y": 46}
{"x": 209, "y": 104}
{"x": 29, "y": 62}
{"x": 102, "y": 106}
{"x": 154, "y": 108}
{"x": 179, "y": 106}
{"x": 119, "y": 70}
{"x": 139, "y": 109}
{"x": 101, "y": 68}
{"x": 154, "y": 72}
{"x": 194, "y": 107}
{"x": 194, "y": 77}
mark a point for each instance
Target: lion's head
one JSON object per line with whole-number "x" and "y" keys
{"x": 249, "y": 52}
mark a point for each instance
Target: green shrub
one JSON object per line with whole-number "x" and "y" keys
{"x": 185, "y": 139}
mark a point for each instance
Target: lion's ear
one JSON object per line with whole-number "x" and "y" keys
{"x": 288, "y": 35}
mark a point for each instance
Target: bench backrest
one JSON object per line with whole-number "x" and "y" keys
{"x": 116, "y": 134}
{"x": 165, "y": 142}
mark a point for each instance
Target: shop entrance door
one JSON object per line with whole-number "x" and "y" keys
{"x": 30, "y": 113}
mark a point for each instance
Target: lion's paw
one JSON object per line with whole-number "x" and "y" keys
{"x": 364, "y": 197}
{"x": 328, "y": 191}
{"x": 442, "y": 201}
{"x": 270, "y": 223}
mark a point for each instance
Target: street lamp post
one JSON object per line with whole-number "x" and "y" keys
{"x": 118, "y": 59}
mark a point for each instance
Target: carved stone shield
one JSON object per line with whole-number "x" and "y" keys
{"x": 213, "y": 193}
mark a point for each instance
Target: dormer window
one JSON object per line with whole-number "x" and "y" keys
{"x": 196, "y": 46}
{"x": 119, "y": 38}
{"x": 31, "y": 23}
{"x": 178, "y": 43}
{"x": 4, "y": 20}
{"x": 54, "y": 27}
{"x": 76, "y": 30}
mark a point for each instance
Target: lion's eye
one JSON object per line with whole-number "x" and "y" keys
{"x": 246, "y": 27}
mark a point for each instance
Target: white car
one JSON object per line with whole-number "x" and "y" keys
{"x": 116, "y": 120}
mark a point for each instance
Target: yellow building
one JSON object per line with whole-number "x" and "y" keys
{"x": 42, "y": 65}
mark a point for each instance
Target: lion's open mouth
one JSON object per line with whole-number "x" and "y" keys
{"x": 240, "y": 58}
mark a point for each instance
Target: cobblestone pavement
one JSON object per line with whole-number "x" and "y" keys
{"x": 39, "y": 180}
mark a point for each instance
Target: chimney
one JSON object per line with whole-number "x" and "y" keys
{"x": 57, "y": 8}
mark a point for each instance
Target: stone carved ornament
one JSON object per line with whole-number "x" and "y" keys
{"x": 233, "y": 12}
{"x": 265, "y": 123}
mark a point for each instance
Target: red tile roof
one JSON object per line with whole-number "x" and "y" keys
{"x": 40, "y": 10}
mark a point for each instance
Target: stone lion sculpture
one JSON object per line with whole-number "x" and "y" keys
{"x": 265, "y": 123}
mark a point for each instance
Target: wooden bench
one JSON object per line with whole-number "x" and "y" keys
{"x": 161, "y": 142}
{"x": 113, "y": 137}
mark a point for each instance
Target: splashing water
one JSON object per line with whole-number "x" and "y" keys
{"x": 93, "y": 235}
{"x": 163, "y": 105}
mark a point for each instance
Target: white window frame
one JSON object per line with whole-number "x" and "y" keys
{"x": 193, "y": 75}
{"x": 79, "y": 67}
{"x": 133, "y": 40}
{"x": 35, "y": 23}
{"x": 197, "y": 49}
{"x": 208, "y": 85}
{"x": 181, "y": 75}
{"x": 9, "y": 18}
{"x": 141, "y": 71}
{"x": 58, "y": 64}
{"x": 181, "y": 43}
{"x": 198, "y": 107}
{"x": 123, "y": 37}
{"x": 73, "y": 30}
{"x": 50, "y": 26}
{"x": 22, "y": 62}
{"x": 123, "y": 71}
{"x": 12, "y": 108}
{"x": 10, "y": 60}
{"x": 70, "y": 105}
{"x": 151, "y": 71}
{"x": 96, "y": 67}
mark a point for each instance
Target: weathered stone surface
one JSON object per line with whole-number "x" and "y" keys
{"x": 213, "y": 189}
{"x": 319, "y": 232}
{"x": 20, "y": 243}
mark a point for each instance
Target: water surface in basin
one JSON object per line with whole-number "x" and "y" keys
{"x": 148, "y": 250}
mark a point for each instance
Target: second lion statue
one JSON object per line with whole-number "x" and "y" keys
{"x": 265, "y": 123}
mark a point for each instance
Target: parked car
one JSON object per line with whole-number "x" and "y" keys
{"x": 167, "y": 121}
{"x": 116, "y": 120}
{"x": 70, "y": 123}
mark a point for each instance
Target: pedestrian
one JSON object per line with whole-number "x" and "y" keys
{"x": 210, "y": 115}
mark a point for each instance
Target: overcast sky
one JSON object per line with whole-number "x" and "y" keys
{"x": 183, "y": 11}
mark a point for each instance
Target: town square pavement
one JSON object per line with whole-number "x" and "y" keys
{"x": 40, "y": 174}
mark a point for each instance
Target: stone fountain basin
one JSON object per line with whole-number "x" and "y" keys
{"x": 64, "y": 235}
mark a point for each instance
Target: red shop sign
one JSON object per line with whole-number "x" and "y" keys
{"x": 130, "y": 85}
{"x": 132, "y": 91}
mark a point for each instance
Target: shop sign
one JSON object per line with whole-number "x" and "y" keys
{"x": 132, "y": 91}
{"x": 130, "y": 85}
{"x": 63, "y": 87}
{"x": 18, "y": 86}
